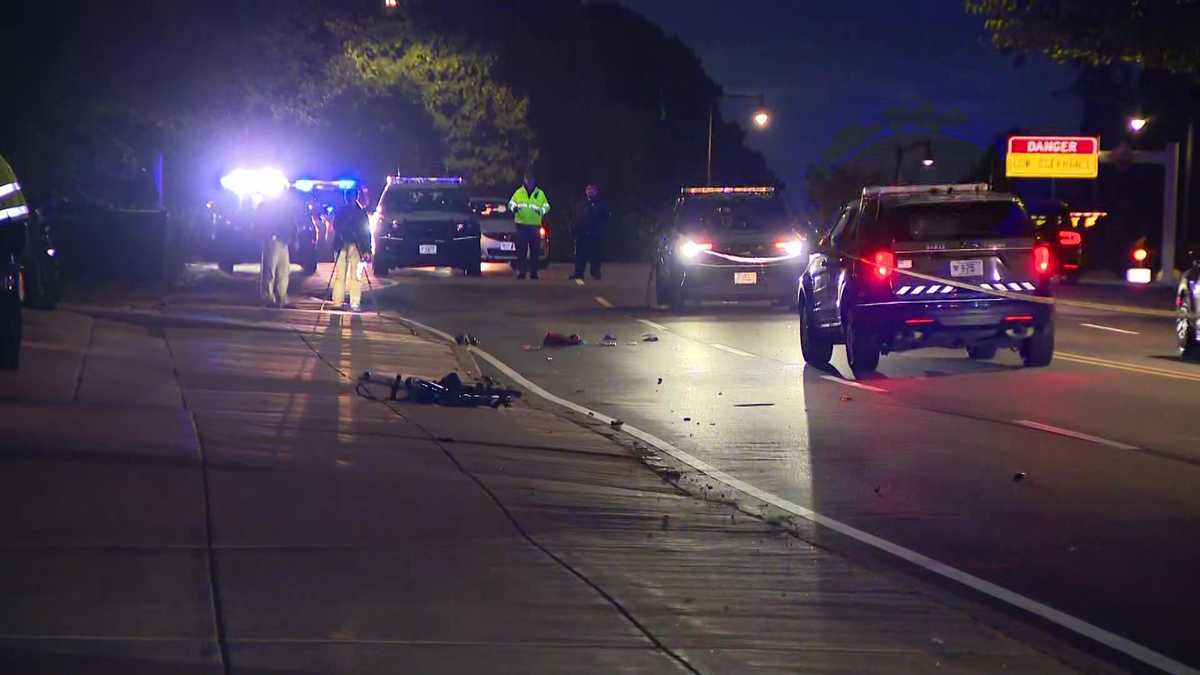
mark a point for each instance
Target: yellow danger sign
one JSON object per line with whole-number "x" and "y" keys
{"x": 1053, "y": 157}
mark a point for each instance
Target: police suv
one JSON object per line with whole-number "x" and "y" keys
{"x": 908, "y": 267}
{"x": 425, "y": 221}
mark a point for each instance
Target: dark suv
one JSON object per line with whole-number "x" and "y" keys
{"x": 425, "y": 221}
{"x": 729, "y": 243}
{"x": 909, "y": 267}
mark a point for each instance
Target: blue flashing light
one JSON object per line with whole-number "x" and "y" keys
{"x": 346, "y": 184}
{"x": 305, "y": 185}
{"x": 328, "y": 209}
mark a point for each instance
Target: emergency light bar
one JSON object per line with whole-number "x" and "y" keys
{"x": 424, "y": 180}
{"x": 308, "y": 185}
{"x": 926, "y": 189}
{"x": 747, "y": 190}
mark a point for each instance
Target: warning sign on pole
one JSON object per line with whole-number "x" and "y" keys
{"x": 1053, "y": 157}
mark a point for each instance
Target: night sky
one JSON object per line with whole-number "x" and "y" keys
{"x": 824, "y": 65}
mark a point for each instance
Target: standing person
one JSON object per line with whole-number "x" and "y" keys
{"x": 14, "y": 216}
{"x": 589, "y": 232}
{"x": 351, "y": 248}
{"x": 278, "y": 225}
{"x": 529, "y": 205}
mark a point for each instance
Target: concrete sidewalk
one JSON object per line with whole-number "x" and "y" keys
{"x": 204, "y": 492}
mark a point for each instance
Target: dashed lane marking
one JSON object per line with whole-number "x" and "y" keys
{"x": 731, "y": 350}
{"x": 1049, "y": 428}
{"x": 1110, "y": 329}
{"x": 603, "y": 302}
{"x": 856, "y": 385}
{"x": 655, "y": 326}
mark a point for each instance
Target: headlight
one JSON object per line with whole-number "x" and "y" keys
{"x": 266, "y": 182}
{"x": 791, "y": 247}
{"x": 691, "y": 249}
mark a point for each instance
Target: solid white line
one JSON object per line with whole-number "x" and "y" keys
{"x": 1109, "y": 328}
{"x": 1104, "y": 637}
{"x": 856, "y": 385}
{"x": 1075, "y": 434}
{"x": 603, "y": 303}
{"x": 579, "y": 282}
{"x": 656, "y": 326}
{"x": 731, "y": 350}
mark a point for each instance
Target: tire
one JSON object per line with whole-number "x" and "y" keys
{"x": 862, "y": 349}
{"x": 1185, "y": 330}
{"x": 983, "y": 353}
{"x": 474, "y": 269}
{"x": 379, "y": 266}
{"x": 41, "y": 284}
{"x": 1038, "y": 351}
{"x": 816, "y": 348}
{"x": 10, "y": 330}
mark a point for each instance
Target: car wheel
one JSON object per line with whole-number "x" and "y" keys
{"x": 379, "y": 266}
{"x": 1185, "y": 330}
{"x": 1038, "y": 351}
{"x": 862, "y": 349}
{"x": 816, "y": 348}
{"x": 474, "y": 269}
{"x": 982, "y": 353}
{"x": 39, "y": 293}
{"x": 10, "y": 329}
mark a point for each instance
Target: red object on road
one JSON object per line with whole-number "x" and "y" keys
{"x": 560, "y": 340}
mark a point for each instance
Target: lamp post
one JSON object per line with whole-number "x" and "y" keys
{"x": 761, "y": 119}
{"x": 902, "y": 149}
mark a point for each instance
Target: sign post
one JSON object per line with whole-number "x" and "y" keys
{"x": 1053, "y": 157}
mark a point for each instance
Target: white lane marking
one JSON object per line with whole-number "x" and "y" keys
{"x": 1089, "y": 630}
{"x": 655, "y": 326}
{"x": 1048, "y": 428}
{"x": 1110, "y": 329}
{"x": 603, "y": 302}
{"x": 856, "y": 385}
{"x": 579, "y": 282}
{"x": 731, "y": 350}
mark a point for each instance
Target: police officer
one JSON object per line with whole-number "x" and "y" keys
{"x": 589, "y": 232}
{"x": 529, "y": 205}
{"x": 14, "y": 216}
{"x": 351, "y": 248}
{"x": 278, "y": 224}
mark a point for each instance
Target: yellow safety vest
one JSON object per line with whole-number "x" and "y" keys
{"x": 12, "y": 202}
{"x": 528, "y": 209}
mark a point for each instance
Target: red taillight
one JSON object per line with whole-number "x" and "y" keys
{"x": 542, "y": 232}
{"x": 885, "y": 262}
{"x": 918, "y": 322}
{"x": 1019, "y": 317}
{"x": 1041, "y": 259}
{"x": 1069, "y": 238}
{"x": 1140, "y": 254}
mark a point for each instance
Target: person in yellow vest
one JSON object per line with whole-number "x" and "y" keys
{"x": 14, "y": 214}
{"x": 529, "y": 205}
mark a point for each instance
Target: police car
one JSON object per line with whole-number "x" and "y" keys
{"x": 255, "y": 202}
{"x": 953, "y": 266}
{"x": 425, "y": 221}
{"x": 498, "y": 232}
{"x": 729, "y": 243}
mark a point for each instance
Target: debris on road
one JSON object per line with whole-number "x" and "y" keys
{"x": 608, "y": 337}
{"x": 649, "y": 337}
{"x": 553, "y": 339}
{"x": 466, "y": 339}
{"x": 1020, "y": 476}
{"x": 531, "y": 348}
{"x": 616, "y": 424}
{"x": 847, "y": 397}
{"x": 448, "y": 391}
{"x": 608, "y": 341}
{"x": 660, "y": 380}
{"x": 687, "y": 419}
{"x": 753, "y": 405}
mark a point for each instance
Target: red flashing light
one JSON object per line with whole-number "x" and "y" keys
{"x": 917, "y": 322}
{"x": 1041, "y": 259}
{"x": 1069, "y": 238}
{"x": 1070, "y": 266}
{"x": 1140, "y": 254}
{"x": 1019, "y": 317}
{"x": 885, "y": 262}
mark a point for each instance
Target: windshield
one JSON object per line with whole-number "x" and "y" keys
{"x": 946, "y": 221}
{"x": 741, "y": 214}
{"x": 442, "y": 199}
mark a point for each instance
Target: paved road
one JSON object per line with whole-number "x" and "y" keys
{"x": 1105, "y": 528}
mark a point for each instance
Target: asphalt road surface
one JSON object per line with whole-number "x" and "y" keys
{"x": 1103, "y": 525}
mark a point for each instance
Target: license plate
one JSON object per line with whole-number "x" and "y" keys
{"x": 508, "y": 246}
{"x": 745, "y": 278}
{"x": 427, "y": 249}
{"x": 966, "y": 268}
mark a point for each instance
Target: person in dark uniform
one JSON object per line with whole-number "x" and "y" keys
{"x": 589, "y": 232}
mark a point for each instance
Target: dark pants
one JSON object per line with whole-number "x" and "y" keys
{"x": 529, "y": 249}
{"x": 588, "y": 249}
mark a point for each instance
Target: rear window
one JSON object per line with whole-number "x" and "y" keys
{"x": 730, "y": 214}
{"x": 948, "y": 221}
{"x": 425, "y": 200}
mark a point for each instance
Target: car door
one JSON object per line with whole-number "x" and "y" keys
{"x": 827, "y": 265}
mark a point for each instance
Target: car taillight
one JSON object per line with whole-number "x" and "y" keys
{"x": 1069, "y": 238}
{"x": 1140, "y": 254}
{"x": 542, "y": 232}
{"x": 1041, "y": 259}
{"x": 884, "y": 263}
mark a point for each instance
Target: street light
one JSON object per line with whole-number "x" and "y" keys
{"x": 761, "y": 119}
{"x": 927, "y": 161}
{"x": 1136, "y": 124}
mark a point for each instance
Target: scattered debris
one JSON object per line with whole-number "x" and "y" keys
{"x": 1020, "y": 476}
{"x": 660, "y": 380}
{"x": 531, "y": 348}
{"x": 847, "y": 397}
{"x": 687, "y": 419}
{"x": 448, "y": 391}
{"x": 549, "y": 358}
{"x": 938, "y": 641}
{"x": 466, "y": 339}
{"x": 608, "y": 341}
{"x": 553, "y": 339}
{"x": 649, "y": 337}
{"x": 877, "y": 488}
{"x": 753, "y": 405}
{"x": 608, "y": 337}
{"x": 616, "y": 424}
{"x": 578, "y": 391}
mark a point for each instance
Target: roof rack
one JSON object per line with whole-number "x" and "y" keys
{"x": 424, "y": 180}
{"x": 926, "y": 189}
{"x": 729, "y": 190}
